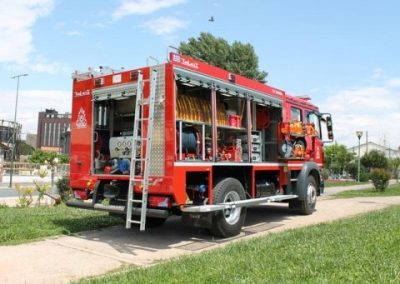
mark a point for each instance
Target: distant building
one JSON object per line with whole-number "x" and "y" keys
{"x": 65, "y": 141}
{"x": 51, "y": 126}
{"x": 367, "y": 147}
{"x": 31, "y": 139}
{"x": 7, "y": 130}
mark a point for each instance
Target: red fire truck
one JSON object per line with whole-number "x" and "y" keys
{"x": 190, "y": 139}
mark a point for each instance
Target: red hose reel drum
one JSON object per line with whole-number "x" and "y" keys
{"x": 263, "y": 118}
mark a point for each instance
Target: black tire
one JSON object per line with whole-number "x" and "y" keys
{"x": 228, "y": 223}
{"x": 307, "y": 206}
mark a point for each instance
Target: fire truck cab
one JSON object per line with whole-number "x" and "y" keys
{"x": 187, "y": 138}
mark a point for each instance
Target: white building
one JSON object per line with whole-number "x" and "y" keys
{"x": 367, "y": 147}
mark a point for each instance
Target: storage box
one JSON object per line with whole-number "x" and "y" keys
{"x": 254, "y": 148}
{"x": 255, "y": 157}
{"x": 234, "y": 120}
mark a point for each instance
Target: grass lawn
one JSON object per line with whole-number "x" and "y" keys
{"x": 19, "y": 225}
{"x": 363, "y": 249}
{"x": 332, "y": 183}
{"x": 392, "y": 190}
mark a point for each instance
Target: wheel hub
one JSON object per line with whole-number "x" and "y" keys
{"x": 311, "y": 194}
{"x": 232, "y": 215}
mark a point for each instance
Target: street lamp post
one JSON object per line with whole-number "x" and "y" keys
{"x": 15, "y": 127}
{"x": 359, "y": 134}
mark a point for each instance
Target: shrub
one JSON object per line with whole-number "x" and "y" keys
{"x": 64, "y": 189}
{"x": 380, "y": 178}
{"x": 325, "y": 174}
{"x": 364, "y": 177}
{"x": 25, "y": 197}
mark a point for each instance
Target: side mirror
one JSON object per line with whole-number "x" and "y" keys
{"x": 329, "y": 127}
{"x": 326, "y": 118}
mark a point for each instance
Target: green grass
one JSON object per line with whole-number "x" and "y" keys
{"x": 393, "y": 190}
{"x": 332, "y": 183}
{"x": 19, "y": 225}
{"x": 363, "y": 249}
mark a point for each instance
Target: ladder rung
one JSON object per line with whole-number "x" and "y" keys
{"x": 136, "y": 200}
{"x": 134, "y": 221}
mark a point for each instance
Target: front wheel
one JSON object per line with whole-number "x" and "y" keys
{"x": 228, "y": 222}
{"x": 307, "y": 206}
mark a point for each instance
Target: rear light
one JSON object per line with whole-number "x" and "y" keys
{"x": 160, "y": 201}
{"x": 81, "y": 194}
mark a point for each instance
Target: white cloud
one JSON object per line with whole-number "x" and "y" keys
{"x": 395, "y": 82}
{"x": 142, "y": 7}
{"x": 30, "y": 103}
{"x": 369, "y": 108}
{"x": 73, "y": 33}
{"x": 38, "y": 64}
{"x": 164, "y": 25}
{"x": 16, "y": 22}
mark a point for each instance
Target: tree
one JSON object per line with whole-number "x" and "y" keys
{"x": 337, "y": 158}
{"x": 238, "y": 58}
{"x": 394, "y": 166}
{"x": 375, "y": 159}
{"x": 24, "y": 149}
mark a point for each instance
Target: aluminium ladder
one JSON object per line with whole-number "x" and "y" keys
{"x": 141, "y": 179}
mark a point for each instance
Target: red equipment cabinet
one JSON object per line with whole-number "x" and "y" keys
{"x": 221, "y": 142}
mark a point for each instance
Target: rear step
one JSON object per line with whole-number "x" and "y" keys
{"x": 118, "y": 209}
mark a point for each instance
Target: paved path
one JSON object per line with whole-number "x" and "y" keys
{"x": 67, "y": 258}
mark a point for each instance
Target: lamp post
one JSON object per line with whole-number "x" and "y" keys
{"x": 15, "y": 127}
{"x": 359, "y": 134}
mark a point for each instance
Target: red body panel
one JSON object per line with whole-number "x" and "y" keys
{"x": 81, "y": 134}
{"x": 173, "y": 183}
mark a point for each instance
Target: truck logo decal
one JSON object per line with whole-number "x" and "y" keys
{"x": 81, "y": 121}
{"x": 183, "y": 61}
{"x": 81, "y": 93}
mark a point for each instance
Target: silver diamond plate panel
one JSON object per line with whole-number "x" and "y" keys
{"x": 158, "y": 143}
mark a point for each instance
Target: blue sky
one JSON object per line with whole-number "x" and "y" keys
{"x": 344, "y": 54}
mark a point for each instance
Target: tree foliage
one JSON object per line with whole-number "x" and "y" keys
{"x": 375, "y": 159}
{"x": 238, "y": 58}
{"x": 41, "y": 157}
{"x": 24, "y": 149}
{"x": 337, "y": 158}
{"x": 394, "y": 166}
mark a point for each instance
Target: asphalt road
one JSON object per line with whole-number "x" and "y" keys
{"x": 6, "y": 192}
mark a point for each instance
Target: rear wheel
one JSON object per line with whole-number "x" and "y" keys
{"x": 307, "y": 206}
{"x": 229, "y": 222}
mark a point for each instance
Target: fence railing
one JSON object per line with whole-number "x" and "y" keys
{"x": 27, "y": 169}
